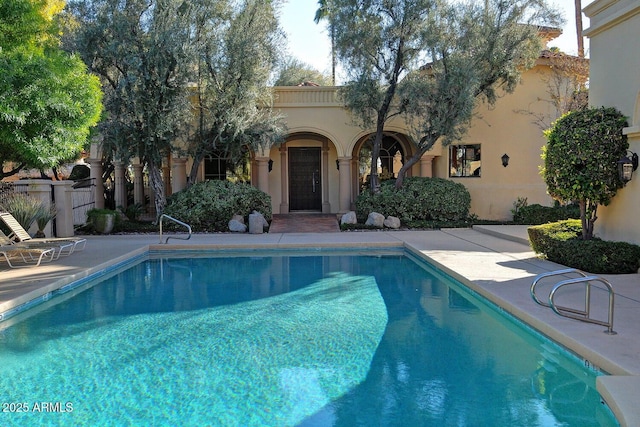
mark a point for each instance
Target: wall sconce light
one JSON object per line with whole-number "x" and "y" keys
{"x": 505, "y": 160}
{"x": 270, "y": 165}
{"x": 626, "y": 166}
{"x": 337, "y": 164}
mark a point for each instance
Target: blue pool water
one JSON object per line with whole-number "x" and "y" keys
{"x": 253, "y": 339}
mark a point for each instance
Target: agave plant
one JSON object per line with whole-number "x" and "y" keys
{"x": 24, "y": 208}
{"x": 46, "y": 214}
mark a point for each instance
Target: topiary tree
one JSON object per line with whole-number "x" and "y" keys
{"x": 580, "y": 160}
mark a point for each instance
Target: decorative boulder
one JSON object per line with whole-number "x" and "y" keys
{"x": 238, "y": 218}
{"x": 375, "y": 219}
{"x": 349, "y": 218}
{"x": 237, "y": 226}
{"x": 392, "y": 222}
{"x": 265, "y": 223}
{"x": 257, "y": 223}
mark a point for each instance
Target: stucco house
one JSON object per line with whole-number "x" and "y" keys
{"x": 324, "y": 162}
{"x": 614, "y": 81}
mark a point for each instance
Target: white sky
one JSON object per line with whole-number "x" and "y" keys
{"x": 309, "y": 42}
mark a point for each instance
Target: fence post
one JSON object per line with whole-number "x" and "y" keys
{"x": 64, "y": 208}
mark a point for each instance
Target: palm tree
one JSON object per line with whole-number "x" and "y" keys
{"x": 323, "y": 13}
{"x": 578, "y": 7}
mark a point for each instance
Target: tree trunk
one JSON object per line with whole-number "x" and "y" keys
{"x": 193, "y": 174}
{"x": 408, "y": 164}
{"x": 157, "y": 184}
{"x": 578, "y": 7}
{"x": 375, "y": 153}
{"x": 588, "y": 217}
{"x": 425, "y": 145}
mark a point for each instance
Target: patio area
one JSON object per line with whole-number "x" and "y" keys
{"x": 495, "y": 261}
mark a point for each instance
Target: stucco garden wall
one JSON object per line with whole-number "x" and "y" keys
{"x": 614, "y": 33}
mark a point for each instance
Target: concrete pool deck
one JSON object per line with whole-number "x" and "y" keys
{"x": 495, "y": 261}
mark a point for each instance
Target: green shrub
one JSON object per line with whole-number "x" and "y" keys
{"x": 562, "y": 242}
{"x": 542, "y": 237}
{"x": 209, "y": 205}
{"x": 419, "y": 199}
{"x": 537, "y": 214}
{"x": 596, "y": 256}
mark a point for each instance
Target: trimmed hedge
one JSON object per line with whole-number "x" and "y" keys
{"x": 209, "y": 205}
{"x": 419, "y": 199}
{"x": 543, "y": 237}
{"x": 562, "y": 242}
{"x": 537, "y": 214}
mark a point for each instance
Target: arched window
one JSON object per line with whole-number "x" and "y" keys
{"x": 389, "y": 163}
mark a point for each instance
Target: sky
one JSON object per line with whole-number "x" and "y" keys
{"x": 309, "y": 42}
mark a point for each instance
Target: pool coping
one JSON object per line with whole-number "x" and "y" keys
{"x": 620, "y": 389}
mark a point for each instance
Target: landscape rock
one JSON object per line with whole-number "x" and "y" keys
{"x": 375, "y": 219}
{"x": 349, "y": 218}
{"x": 237, "y": 226}
{"x": 257, "y": 223}
{"x": 392, "y": 222}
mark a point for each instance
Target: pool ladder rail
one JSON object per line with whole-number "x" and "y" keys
{"x": 573, "y": 313}
{"x": 177, "y": 222}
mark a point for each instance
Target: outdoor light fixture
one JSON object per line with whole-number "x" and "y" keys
{"x": 270, "y": 165}
{"x": 337, "y": 164}
{"x": 626, "y": 166}
{"x": 505, "y": 160}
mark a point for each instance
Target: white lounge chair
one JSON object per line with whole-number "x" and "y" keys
{"x": 29, "y": 256}
{"x": 60, "y": 247}
{"x": 19, "y": 234}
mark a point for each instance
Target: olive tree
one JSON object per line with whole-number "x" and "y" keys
{"x": 141, "y": 49}
{"x": 236, "y": 50}
{"x": 430, "y": 61}
{"x": 581, "y": 160}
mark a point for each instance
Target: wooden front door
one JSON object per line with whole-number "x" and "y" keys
{"x": 305, "y": 192}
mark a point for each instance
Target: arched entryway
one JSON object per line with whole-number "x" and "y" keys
{"x": 394, "y": 150}
{"x": 307, "y": 182}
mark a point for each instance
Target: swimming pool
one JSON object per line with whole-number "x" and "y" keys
{"x": 261, "y": 338}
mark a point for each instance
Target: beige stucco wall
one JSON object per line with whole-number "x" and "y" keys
{"x": 315, "y": 118}
{"x": 314, "y": 115}
{"x": 614, "y": 33}
{"x": 508, "y": 128}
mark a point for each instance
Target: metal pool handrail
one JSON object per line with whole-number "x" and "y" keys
{"x": 539, "y": 277}
{"x": 177, "y": 222}
{"x": 584, "y": 314}
{"x": 573, "y": 313}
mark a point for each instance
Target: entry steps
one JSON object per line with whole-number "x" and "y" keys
{"x": 573, "y": 313}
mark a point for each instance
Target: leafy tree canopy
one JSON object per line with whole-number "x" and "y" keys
{"x": 48, "y": 103}
{"x": 580, "y": 159}
{"x": 430, "y": 61}
{"x": 48, "y": 100}
{"x": 294, "y": 72}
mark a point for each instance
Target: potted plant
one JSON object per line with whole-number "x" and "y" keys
{"x": 102, "y": 220}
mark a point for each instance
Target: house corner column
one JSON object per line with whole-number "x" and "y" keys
{"x": 95, "y": 166}
{"x": 326, "y": 206}
{"x": 426, "y": 166}
{"x": 138, "y": 185}
{"x": 120, "y": 185}
{"x": 345, "y": 183}
{"x": 284, "y": 204}
{"x": 178, "y": 174}
{"x": 262, "y": 164}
